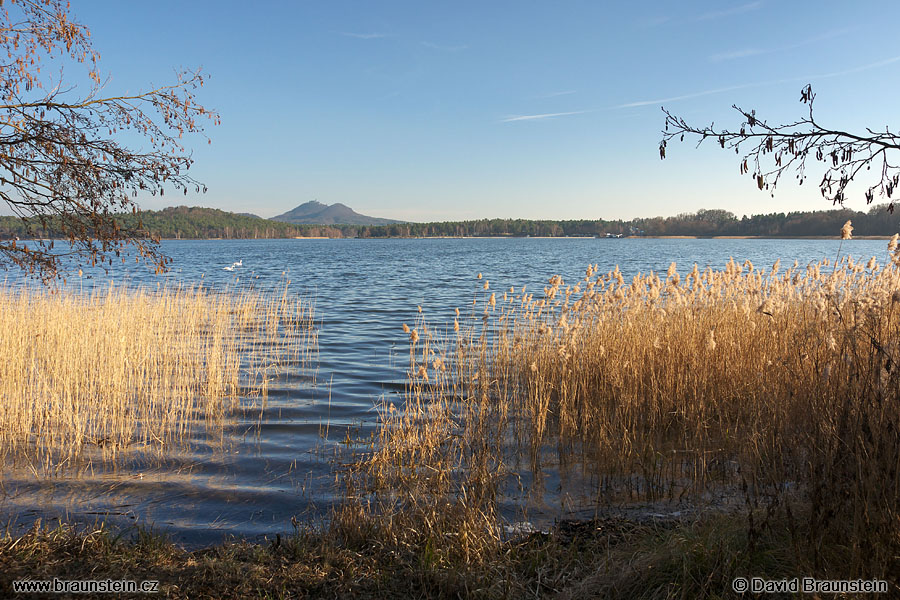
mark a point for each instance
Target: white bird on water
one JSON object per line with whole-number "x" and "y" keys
{"x": 239, "y": 263}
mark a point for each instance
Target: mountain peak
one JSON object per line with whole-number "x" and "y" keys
{"x": 312, "y": 205}
{"x": 316, "y": 213}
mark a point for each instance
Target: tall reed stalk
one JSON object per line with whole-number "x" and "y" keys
{"x": 123, "y": 368}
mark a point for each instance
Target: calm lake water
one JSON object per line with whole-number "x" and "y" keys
{"x": 272, "y": 465}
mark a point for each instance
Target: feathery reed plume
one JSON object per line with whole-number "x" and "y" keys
{"x": 847, "y": 231}
{"x": 846, "y": 234}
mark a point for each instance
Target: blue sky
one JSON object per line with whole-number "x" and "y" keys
{"x": 459, "y": 110}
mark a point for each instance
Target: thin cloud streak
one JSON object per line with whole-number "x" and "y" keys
{"x": 556, "y": 94}
{"x": 543, "y": 116}
{"x": 710, "y": 16}
{"x": 363, "y": 36}
{"x": 874, "y": 65}
{"x": 699, "y": 94}
{"x": 859, "y": 69}
{"x": 737, "y": 54}
{"x": 723, "y": 56}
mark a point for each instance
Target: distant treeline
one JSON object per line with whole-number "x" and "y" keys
{"x": 207, "y": 223}
{"x": 704, "y": 223}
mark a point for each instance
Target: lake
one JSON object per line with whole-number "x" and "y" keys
{"x": 267, "y": 466}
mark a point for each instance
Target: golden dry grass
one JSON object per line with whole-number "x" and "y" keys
{"x": 776, "y": 386}
{"x": 609, "y": 559}
{"x": 127, "y": 368}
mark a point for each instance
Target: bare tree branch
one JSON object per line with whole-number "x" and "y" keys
{"x": 62, "y": 162}
{"x": 771, "y": 152}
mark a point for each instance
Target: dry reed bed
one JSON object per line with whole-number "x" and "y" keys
{"x": 119, "y": 367}
{"x": 780, "y": 384}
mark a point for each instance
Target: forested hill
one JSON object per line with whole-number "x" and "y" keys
{"x": 207, "y": 223}
{"x": 182, "y": 222}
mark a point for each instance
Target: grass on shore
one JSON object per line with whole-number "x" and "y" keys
{"x": 597, "y": 559}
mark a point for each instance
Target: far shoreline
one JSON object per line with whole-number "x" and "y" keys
{"x": 546, "y": 237}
